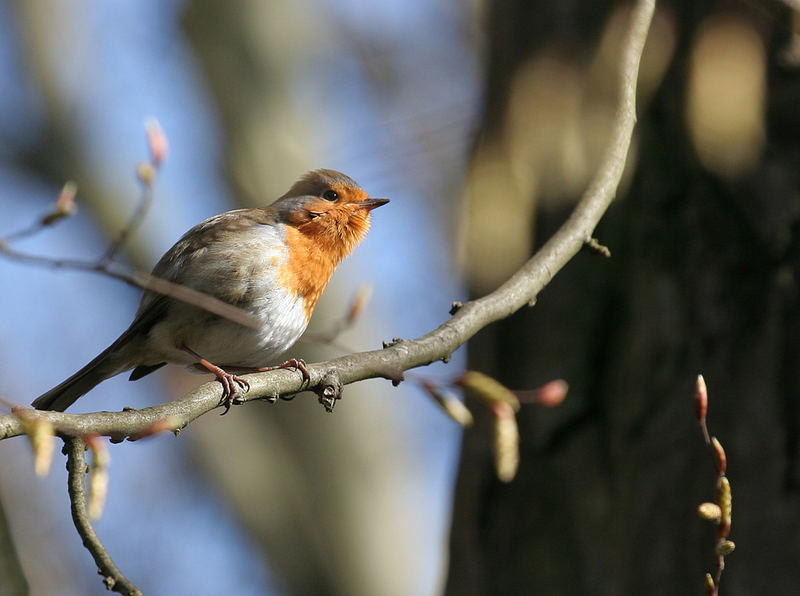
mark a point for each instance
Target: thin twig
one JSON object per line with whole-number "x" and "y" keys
{"x": 135, "y": 220}
{"x": 594, "y": 245}
{"x": 147, "y": 172}
{"x": 63, "y": 207}
{"x": 104, "y": 265}
{"x": 76, "y": 468}
{"x": 721, "y": 510}
{"x": 142, "y": 280}
{"x": 400, "y": 356}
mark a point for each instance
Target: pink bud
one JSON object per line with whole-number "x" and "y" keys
{"x": 700, "y": 398}
{"x": 156, "y": 141}
{"x": 719, "y": 452}
{"x": 553, "y": 393}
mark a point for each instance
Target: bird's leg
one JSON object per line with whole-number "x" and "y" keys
{"x": 229, "y": 381}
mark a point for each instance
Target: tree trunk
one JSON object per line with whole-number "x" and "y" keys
{"x": 703, "y": 279}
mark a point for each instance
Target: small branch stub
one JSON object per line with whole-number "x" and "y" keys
{"x": 594, "y": 245}
{"x": 329, "y": 390}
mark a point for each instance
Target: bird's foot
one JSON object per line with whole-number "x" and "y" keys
{"x": 230, "y": 389}
{"x": 230, "y": 383}
{"x": 296, "y": 363}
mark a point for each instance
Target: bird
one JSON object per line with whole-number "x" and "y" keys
{"x": 273, "y": 262}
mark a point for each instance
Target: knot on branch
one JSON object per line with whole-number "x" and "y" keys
{"x": 329, "y": 390}
{"x": 395, "y": 341}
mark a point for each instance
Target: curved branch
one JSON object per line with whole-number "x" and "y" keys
{"x": 76, "y": 483}
{"x": 390, "y": 362}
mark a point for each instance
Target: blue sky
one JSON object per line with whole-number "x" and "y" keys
{"x": 128, "y": 61}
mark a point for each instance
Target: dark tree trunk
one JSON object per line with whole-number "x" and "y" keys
{"x": 703, "y": 279}
{"x": 12, "y": 582}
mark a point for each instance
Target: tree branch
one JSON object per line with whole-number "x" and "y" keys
{"x": 141, "y": 280}
{"x": 399, "y": 356}
{"x": 65, "y": 207}
{"x": 76, "y": 483}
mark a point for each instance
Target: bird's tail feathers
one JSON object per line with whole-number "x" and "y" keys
{"x": 107, "y": 364}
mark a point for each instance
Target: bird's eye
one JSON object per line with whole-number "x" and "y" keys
{"x": 330, "y": 195}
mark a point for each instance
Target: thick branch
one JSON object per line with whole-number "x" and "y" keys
{"x": 521, "y": 289}
{"x": 76, "y": 482}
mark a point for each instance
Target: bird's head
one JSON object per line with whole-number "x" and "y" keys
{"x": 326, "y": 215}
{"x": 330, "y": 209}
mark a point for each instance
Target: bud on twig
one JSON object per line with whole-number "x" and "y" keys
{"x": 146, "y": 173}
{"x": 725, "y": 548}
{"x": 487, "y": 389}
{"x": 709, "y": 511}
{"x": 506, "y": 441}
{"x": 552, "y": 394}
{"x": 453, "y": 406}
{"x": 725, "y": 504}
{"x": 98, "y": 476}
{"x": 719, "y": 454}
{"x": 42, "y": 438}
{"x": 156, "y": 141}
{"x": 711, "y": 589}
{"x": 65, "y": 204}
{"x": 701, "y": 398}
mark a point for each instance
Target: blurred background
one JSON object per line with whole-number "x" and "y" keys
{"x": 483, "y": 121}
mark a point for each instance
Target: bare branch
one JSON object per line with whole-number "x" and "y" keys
{"x": 157, "y": 141}
{"x": 65, "y": 206}
{"x": 390, "y": 362}
{"x": 142, "y": 280}
{"x": 76, "y": 482}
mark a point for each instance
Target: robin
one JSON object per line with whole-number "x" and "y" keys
{"x": 273, "y": 262}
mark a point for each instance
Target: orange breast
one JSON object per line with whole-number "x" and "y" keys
{"x": 308, "y": 269}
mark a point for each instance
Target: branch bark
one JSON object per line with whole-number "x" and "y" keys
{"x": 401, "y": 355}
{"x": 76, "y": 482}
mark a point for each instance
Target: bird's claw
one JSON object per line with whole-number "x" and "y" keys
{"x": 297, "y": 363}
{"x": 300, "y": 365}
{"x": 230, "y": 390}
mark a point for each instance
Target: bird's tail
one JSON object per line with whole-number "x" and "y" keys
{"x": 109, "y": 363}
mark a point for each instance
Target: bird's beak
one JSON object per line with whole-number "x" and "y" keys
{"x": 371, "y": 204}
